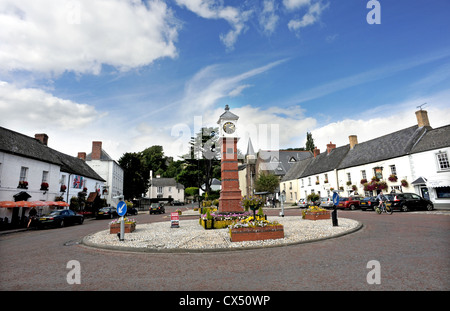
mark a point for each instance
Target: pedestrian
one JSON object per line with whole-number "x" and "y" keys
{"x": 31, "y": 214}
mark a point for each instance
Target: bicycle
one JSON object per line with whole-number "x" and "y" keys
{"x": 384, "y": 209}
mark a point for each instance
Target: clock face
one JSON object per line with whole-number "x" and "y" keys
{"x": 229, "y": 127}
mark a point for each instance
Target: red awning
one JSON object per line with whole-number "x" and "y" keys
{"x": 7, "y": 204}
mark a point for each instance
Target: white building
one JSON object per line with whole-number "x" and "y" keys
{"x": 165, "y": 188}
{"x": 415, "y": 159}
{"x": 31, "y": 171}
{"x": 106, "y": 168}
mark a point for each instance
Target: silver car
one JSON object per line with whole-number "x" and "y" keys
{"x": 326, "y": 202}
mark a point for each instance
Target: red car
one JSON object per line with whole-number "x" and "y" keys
{"x": 351, "y": 203}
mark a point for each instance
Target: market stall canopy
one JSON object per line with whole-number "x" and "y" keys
{"x": 7, "y": 204}
{"x": 11, "y": 204}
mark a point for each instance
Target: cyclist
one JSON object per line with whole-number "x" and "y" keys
{"x": 381, "y": 198}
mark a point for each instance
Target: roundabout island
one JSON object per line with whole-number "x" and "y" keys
{"x": 191, "y": 237}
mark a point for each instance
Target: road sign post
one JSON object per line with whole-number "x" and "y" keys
{"x": 121, "y": 211}
{"x": 334, "y": 212}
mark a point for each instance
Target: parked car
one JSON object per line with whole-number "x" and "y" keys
{"x": 409, "y": 201}
{"x": 176, "y": 202}
{"x": 60, "y": 218}
{"x": 372, "y": 202}
{"x": 303, "y": 203}
{"x": 132, "y": 211}
{"x": 326, "y": 202}
{"x": 349, "y": 202}
{"x": 107, "y": 212}
{"x": 368, "y": 203}
{"x": 157, "y": 208}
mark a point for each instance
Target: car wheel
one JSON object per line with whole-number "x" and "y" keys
{"x": 429, "y": 207}
{"x": 352, "y": 207}
{"x": 405, "y": 208}
{"x": 81, "y": 221}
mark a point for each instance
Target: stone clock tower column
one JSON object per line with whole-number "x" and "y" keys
{"x": 230, "y": 195}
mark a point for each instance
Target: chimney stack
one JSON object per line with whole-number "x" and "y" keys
{"x": 82, "y": 156}
{"x": 422, "y": 118}
{"x": 330, "y": 147}
{"x": 316, "y": 152}
{"x": 353, "y": 141}
{"x": 96, "y": 150}
{"x": 43, "y": 138}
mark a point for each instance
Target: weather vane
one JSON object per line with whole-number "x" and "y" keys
{"x": 420, "y": 106}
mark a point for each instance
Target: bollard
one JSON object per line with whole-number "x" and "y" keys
{"x": 334, "y": 217}
{"x": 122, "y": 229}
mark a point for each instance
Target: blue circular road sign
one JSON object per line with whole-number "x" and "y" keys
{"x": 121, "y": 208}
{"x": 335, "y": 198}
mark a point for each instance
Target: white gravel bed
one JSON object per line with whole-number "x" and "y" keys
{"x": 192, "y": 237}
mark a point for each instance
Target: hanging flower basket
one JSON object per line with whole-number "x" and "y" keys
{"x": 404, "y": 183}
{"x": 392, "y": 178}
{"x": 44, "y": 186}
{"x": 23, "y": 185}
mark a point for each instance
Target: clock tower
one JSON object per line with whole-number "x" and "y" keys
{"x": 230, "y": 195}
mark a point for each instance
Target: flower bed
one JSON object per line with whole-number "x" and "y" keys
{"x": 257, "y": 233}
{"x": 220, "y": 220}
{"x": 249, "y": 229}
{"x": 114, "y": 226}
{"x": 315, "y": 213}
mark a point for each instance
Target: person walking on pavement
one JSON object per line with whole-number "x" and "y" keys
{"x": 31, "y": 215}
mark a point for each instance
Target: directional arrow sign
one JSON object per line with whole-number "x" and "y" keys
{"x": 121, "y": 208}
{"x": 336, "y": 199}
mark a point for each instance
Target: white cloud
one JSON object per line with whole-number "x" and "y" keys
{"x": 311, "y": 17}
{"x": 268, "y": 18}
{"x": 212, "y": 9}
{"x": 386, "y": 119}
{"x": 295, "y": 4}
{"x": 36, "y": 107}
{"x": 210, "y": 85}
{"x": 50, "y": 36}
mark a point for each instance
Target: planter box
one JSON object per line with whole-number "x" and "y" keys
{"x": 115, "y": 228}
{"x": 256, "y": 234}
{"x": 318, "y": 215}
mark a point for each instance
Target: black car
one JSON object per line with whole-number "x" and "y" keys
{"x": 107, "y": 212}
{"x": 409, "y": 201}
{"x": 372, "y": 202}
{"x": 176, "y": 202}
{"x": 132, "y": 211}
{"x": 60, "y": 218}
{"x": 157, "y": 208}
{"x": 369, "y": 202}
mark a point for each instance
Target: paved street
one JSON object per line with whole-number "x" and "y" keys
{"x": 412, "y": 249}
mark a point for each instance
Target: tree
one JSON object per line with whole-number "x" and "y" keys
{"x": 203, "y": 161}
{"x": 309, "y": 142}
{"x": 153, "y": 159}
{"x": 266, "y": 182}
{"x": 135, "y": 181}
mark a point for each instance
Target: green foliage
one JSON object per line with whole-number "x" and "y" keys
{"x": 267, "y": 182}
{"x": 191, "y": 191}
{"x": 309, "y": 142}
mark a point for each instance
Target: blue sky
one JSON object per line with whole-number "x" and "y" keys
{"x": 138, "y": 73}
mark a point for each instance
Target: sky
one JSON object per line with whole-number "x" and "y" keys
{"x": 134, "y": 73}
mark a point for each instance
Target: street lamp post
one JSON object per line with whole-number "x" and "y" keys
{"x": 283, "y": 196}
